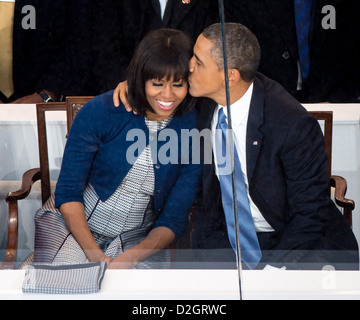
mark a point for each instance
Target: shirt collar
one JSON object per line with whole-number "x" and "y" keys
{"x": 240, "y": 109}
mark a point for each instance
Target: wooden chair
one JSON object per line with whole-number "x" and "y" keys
{"x": 28, "y": 179}
{"x": 338, "y": 183}
{"x": 72, "y": 106}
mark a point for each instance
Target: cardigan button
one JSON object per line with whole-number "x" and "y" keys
{"x": 158, "y": 191}
{"x": 157, "y": 166}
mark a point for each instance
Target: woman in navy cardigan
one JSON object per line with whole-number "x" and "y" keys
{"x": 124, "y": 190}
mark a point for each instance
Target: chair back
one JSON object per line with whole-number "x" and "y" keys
{"x": 41, "y": 109}
{"x": 72, "y": 107}
{"x": 338, "y": 184}
{"x": 327, "y": 117}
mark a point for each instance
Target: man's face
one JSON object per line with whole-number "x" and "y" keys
{"x": 206, "y": 80}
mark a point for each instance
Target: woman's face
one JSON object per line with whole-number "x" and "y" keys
{"x": 164, "y": 96}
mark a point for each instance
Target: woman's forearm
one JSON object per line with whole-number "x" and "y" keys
{"x": 157, "y": 239}
{"x": 75, "y": 219}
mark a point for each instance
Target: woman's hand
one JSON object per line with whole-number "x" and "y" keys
{"x": 121, "y": 262}
{"x": 106, "y": 259}
{"x": 76, "y": 221}
{"x": 98, "y": 256}
{"x": 156, "y": 240}
{"x": 120, "y": 93}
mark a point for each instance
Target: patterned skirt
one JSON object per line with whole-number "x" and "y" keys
{"x": 55, "y": 244}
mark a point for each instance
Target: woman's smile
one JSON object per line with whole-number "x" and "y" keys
{"x": 165, "y": 105}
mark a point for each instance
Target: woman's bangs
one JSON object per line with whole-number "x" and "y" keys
{"x": 170, "y": 70}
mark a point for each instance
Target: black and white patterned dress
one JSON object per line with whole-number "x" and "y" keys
{"x": 118, "y": 224}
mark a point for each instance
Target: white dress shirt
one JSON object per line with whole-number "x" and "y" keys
{"x": 239, "y": 115}
{"x": 163, "y": 4}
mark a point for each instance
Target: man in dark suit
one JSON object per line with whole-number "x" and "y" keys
{"x": 189, "y": 16}
{"x": 283, "y": 165}
{"x": 331, "y": 32}
{"x": 84, "y": 47}
{"x": 126, "y": 22}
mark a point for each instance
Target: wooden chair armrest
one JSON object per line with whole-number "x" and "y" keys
{"x": 348, "y": 205}
{"x": 340, "y": 185}
{"x": 28, "y": 179}
{"x": 12, "y": 198}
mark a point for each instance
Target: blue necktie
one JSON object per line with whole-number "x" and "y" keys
{"x": 303, "y": 9}
{"x": 250, "y": 249}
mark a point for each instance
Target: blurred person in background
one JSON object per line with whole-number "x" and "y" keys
{"x": 55, "y": 49}
{"x": 311, "y": 47}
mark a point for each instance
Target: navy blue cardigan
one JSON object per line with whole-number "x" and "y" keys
{"x": 96, "y": 152}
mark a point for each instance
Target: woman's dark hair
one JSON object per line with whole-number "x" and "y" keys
{"x": 163, "y": 53}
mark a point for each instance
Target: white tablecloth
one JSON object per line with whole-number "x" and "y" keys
{"x": 205, "y": 285}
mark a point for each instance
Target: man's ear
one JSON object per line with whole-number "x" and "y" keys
{"x": 234, "y": 77}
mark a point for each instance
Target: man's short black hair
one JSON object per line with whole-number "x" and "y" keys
{"x": 243, "y": 49}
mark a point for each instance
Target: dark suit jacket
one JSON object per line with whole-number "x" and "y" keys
{"x": 287, "y": 177}
{"x": 134, "y": 19}
{"x": 335, "y": 66}
{"x": 192, "y": 18}
{"x": 83, "y": 47}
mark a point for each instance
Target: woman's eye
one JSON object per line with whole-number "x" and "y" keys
{"x": 178, "y": 85}
{"x": 157, "y": 84}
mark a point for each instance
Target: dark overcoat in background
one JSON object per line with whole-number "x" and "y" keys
{"x": 83, "y": 47}
{"x": 334, "y": 53}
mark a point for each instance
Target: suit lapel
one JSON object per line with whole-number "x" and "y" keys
{"x": 254, "y": 137}
{"x": 177, "y": 11}
{"x": 210, "y": 184}
{"x": 168, "y": 12}
{"x": 156, "y": 5}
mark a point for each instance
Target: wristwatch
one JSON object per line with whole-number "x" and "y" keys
{"x": 46, "y": 97}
